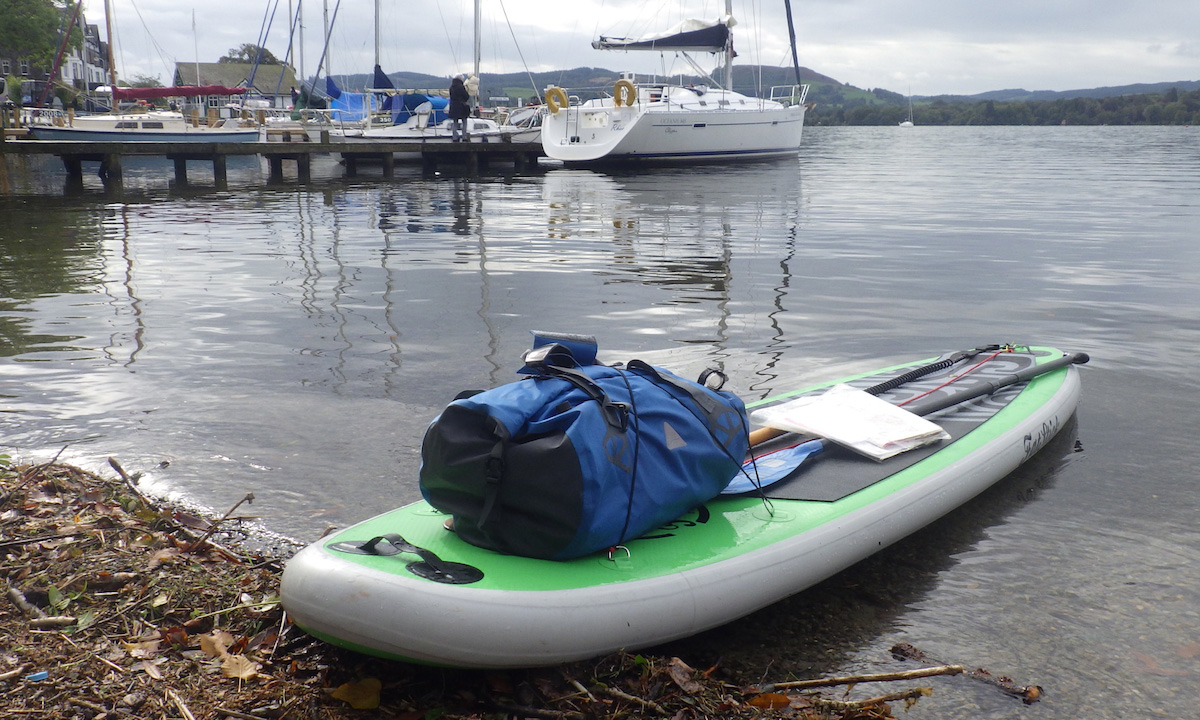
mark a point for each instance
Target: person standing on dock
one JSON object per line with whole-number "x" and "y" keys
{"x": 460, "y": 109}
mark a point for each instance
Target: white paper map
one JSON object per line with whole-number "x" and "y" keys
{"x": 855, "y": 419}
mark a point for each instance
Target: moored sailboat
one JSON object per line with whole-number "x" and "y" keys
{"x": 667, "y": 123}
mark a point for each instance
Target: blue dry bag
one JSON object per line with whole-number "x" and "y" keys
{"x": 580, "y": 457}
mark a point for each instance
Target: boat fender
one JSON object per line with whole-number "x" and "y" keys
{"x": 624, "y": 93}
{"x": 430, "y": 566}
{"x": 556, "y": 99}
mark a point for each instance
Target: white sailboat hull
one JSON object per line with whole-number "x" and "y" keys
{"x": 674, "y": 124}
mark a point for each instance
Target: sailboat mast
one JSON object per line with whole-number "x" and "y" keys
{"x": 300, "y": 27}
{"x": 478, "y": 41}
{"x": 792, "y": 41}
{"x": 729, "y": 49}
{"x": 196, "y": 48}
{"x": 112, "y": 63}
{"x": 376, "y": 33}
{"x": 328, "y": 60}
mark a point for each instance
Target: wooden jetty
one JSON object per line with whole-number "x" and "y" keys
{"x": 288, "y": 147}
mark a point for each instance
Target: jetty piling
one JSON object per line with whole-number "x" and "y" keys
{"x": 288, "y": 145}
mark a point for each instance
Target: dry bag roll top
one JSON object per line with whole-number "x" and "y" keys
{"x": 579, "y": 457}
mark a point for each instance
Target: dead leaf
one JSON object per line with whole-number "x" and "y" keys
{"x": 681, "y": 673}
{"x": 215, "y": 643}
{"x": 1189, "y": 651}
{"x": 361, "y": 694}
{"x": 143, "y": 649}
{"x": 267, "y": 636}
{"x": 770, "y": 701}
{"x": 166, "y": 556}
{"x": 151, "y": 668}
{"x": 192, "y": 521}
{"x": 175, "y": 635}
{"x": 241, "y": 667}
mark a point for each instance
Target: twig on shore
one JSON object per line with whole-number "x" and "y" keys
{"x": 53, "y": 621}
{"x": 18, "y": 598}
{"x": 856, "y": 679}
{"x": 1028, "y": 694}
{"x": 213, "y": 527}
{"x": 130, "y": 482}
{"x": 180, "y": 705}
{"x": 15, "y": 672}
{"x": 642, "y": 702}
{"x": 236, "y": 714}
{"x": 88, "y": 705}
{"x": 530, "y": 712}
{"x": 844, "y": 706}
{"x": 193, "y": 543}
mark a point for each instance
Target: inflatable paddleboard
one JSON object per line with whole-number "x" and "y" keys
{"x": 402, "y": 586}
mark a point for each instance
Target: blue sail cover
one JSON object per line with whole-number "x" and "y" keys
{"x": 348, "y": 106}
{"x": 382, "y": 82}
{"x": 695, "y": 35}
{"x": 405, "y": 106}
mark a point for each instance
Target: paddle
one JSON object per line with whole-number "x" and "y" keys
{"x": 764, "y": 434}
{"x": 792, "y": 458}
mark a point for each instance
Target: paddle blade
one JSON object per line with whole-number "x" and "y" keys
{"x": 772, "y": 467}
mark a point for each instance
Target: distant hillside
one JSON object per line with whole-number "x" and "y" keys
{"x": 1021, "y": 95}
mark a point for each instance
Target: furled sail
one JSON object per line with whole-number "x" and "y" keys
{"x": 693, "y": 35}
{"x": 126, "y": 93}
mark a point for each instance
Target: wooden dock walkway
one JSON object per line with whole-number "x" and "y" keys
{"x": 353, "y": 152}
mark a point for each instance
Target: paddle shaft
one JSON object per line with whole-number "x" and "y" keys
{"x": 933, "y": 404}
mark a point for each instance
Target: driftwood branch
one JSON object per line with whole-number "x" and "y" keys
{"x": 642, "y": 702}
{"x": 236, "y": 714}
{"x": 844, "y": 706}
{"x": 1028, "y": 694}
{"x": 877, "y": 677}
{"x": 180, "y": 705}
{"x": 213, "y": 527}
{"x": 53, "y": 621}
{"x": 18, "y": 598}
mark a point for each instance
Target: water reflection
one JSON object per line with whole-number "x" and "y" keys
{"x": 296, "y": 341}
{"x": 821, "y": 628}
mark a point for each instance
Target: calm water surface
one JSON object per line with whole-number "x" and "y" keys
{"x": 294, "y": 342}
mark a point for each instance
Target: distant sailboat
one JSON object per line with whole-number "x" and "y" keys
{"x": 909, "y": 121}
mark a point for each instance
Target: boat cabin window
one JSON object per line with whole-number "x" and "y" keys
{"x": 127, "y": 125}
{"x": 153, "y": 125}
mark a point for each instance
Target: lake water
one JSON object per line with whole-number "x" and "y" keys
{"x": 295, "y": 341}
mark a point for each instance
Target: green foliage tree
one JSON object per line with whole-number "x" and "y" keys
{"x": 145, "y": 81}
{"x": 30, "y": 29}
{"x": 249, "y": 53}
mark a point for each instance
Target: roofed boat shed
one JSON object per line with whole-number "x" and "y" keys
{"x": 272, "y": 83}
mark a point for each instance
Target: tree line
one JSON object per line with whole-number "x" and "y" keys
{"x": 888, "y": 108}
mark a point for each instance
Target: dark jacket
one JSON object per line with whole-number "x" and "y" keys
{"x": 460, "y": 101}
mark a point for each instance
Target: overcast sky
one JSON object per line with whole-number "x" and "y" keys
{"x": 931, "y": 46}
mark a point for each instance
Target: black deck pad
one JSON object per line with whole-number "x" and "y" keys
{"x": 837, "y": 472}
